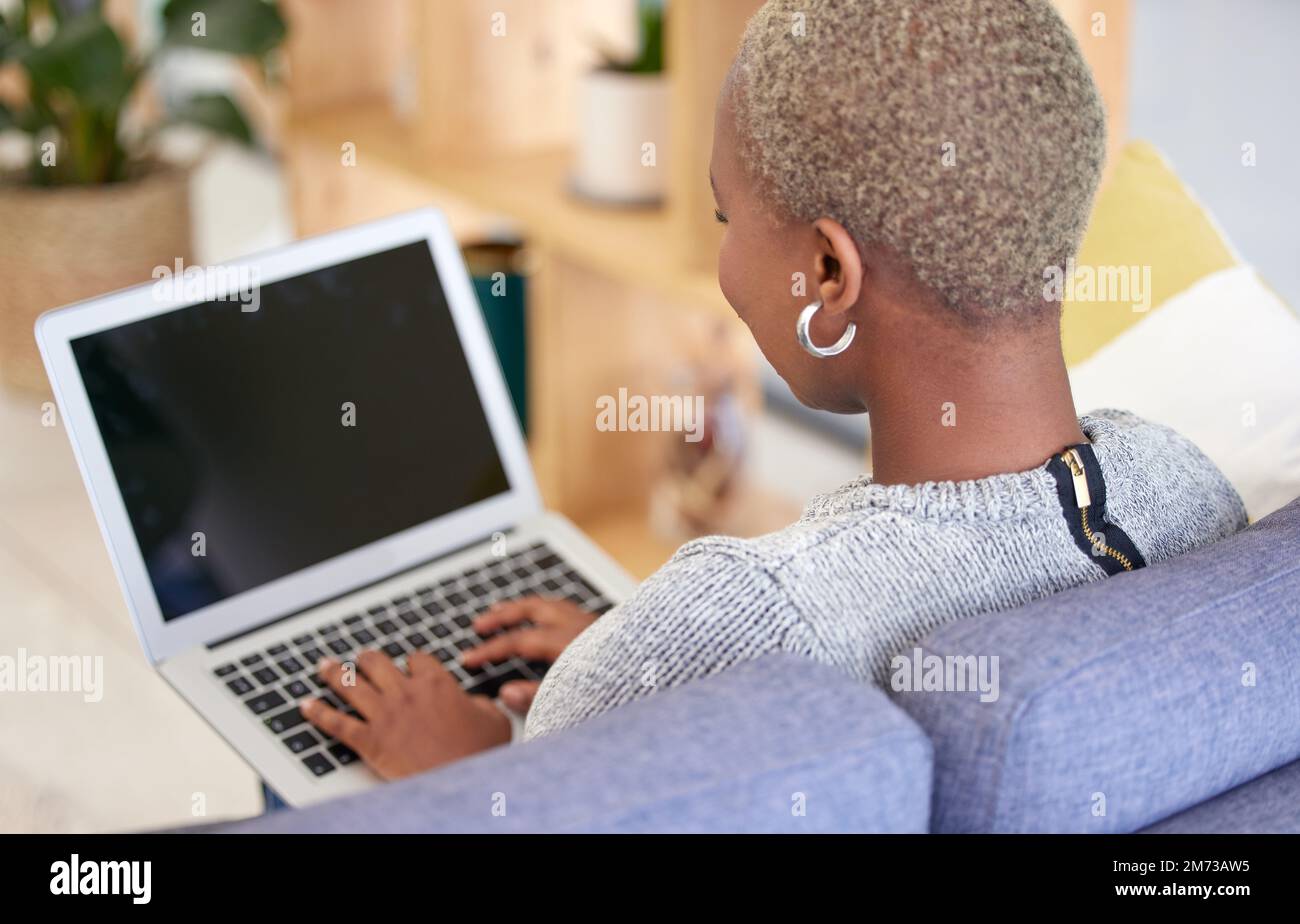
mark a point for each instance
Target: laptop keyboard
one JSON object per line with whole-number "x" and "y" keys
{"x": 434, "y": 618}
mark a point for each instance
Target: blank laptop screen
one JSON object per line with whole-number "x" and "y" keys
{"x": 248, "y": 445}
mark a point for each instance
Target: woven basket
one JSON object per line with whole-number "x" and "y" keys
{"x": 64, "y": 244}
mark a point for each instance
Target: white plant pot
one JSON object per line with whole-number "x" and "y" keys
{"x": 622, "y": 138}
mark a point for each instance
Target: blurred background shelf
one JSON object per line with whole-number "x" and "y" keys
{"x": 527, "y": 194}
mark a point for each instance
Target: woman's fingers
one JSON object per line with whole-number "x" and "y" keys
{"x": 421, "y": 664}
{"x": 518, "y": 694}
{"x": 350, "y": 685}
{"x": 381, "y": 671}
{"x": 529, "y": 644}
{"x": 497, "y": 648}
{"x": 503, "y": 615}
{"x": 345, "y": 728}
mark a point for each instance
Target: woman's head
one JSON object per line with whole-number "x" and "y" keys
{"x": 914, "y": 166}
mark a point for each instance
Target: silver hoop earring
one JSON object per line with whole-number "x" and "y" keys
{"x": 805, "y": 339}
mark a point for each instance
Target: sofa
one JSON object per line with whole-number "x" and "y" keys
{"x": 1162, "y": 700}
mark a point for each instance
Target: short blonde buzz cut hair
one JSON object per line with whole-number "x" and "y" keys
{"x": 966, "y": 136}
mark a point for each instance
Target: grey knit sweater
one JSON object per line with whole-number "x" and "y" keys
{"x": 869, "y": 570}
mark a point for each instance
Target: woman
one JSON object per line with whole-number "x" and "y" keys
{"x": 897, "y": 180}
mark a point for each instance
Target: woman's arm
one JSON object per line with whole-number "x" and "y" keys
{"x": 710, "y": 607}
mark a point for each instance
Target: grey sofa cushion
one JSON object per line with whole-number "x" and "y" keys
{"x": 1268, "y": 805}
{"x": 779, "y": 744}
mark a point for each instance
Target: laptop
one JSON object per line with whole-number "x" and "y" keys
{"x": 309, "y": 452}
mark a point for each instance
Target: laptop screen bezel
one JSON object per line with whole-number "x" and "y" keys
{"x": 55, "y": 331}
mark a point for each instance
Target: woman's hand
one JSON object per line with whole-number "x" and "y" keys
{"x": 538, "y": 629}
{"x": 413, "y": 721}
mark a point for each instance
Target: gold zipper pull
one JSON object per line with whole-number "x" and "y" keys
{"x": 1072, "y": 458}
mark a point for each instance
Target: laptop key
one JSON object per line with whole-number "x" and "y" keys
{"x": 462, "y": 620}
{"x": 318, "y": 764}
{"x": 394, "y": 649}
{"x": 225, "y": 670}
{"x": 386, "y": 626}
{"x": 239, "y": 686}
{"x": 340, "y": 647}
{"x": 301, "y": 640}
{"x": 265, "y": 676}
{"x": 328, "y": 629}
{"x": 417, "y": 640}
{"x": 444, "y": 655}
{"x": 363, "y": 636}
{"x": 441, "y": 631}
{"x": 250, "y": 660}
{"x": 577, "y": 580}
{"x": 410, "y": 617}
{"x": 277, "y": 649}
{"x": 298, "y": 689}
{"x": 303, "y": 741}
{"x": 343, "y": 754}
{"x": 290, "y": 665}
{"x": 376, "y": 611}
{"x": 265, "y": 702}
{"x": 352, "y": 620}
{"x": 283, "y": 721}
{"x": 312, "y": 655}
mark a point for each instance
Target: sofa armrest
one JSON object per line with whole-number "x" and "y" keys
{"x": 1127, "y": 700}
{"x": 779, "y": 744}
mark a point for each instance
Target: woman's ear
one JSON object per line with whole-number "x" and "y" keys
{"x": 839, "y": 267}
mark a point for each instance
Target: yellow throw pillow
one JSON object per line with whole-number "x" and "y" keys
{"x": 1201, "y": 308}
{"x": 1147, "y": 220}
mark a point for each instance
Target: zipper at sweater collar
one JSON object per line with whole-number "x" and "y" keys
{"x": 1081, "y": 489}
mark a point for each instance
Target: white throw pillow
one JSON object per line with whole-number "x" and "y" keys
{"x": 1220, "y": 363}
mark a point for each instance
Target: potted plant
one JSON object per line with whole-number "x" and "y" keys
{"x": 623, "y": 121}
{"x": 97, "y": 208}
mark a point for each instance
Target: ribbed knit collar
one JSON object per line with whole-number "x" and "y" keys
{"x": 1009, "y": 496}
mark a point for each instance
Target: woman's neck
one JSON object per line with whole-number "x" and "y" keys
{"x": 960, "y": 411}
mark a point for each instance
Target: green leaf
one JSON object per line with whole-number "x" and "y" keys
{"x": 238, "y": 27}
{"x": 84, "y": 56}
{"x": 8, "y": 36}
{"x": 215, "y": 112}
{"x": 651, "y": 59}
